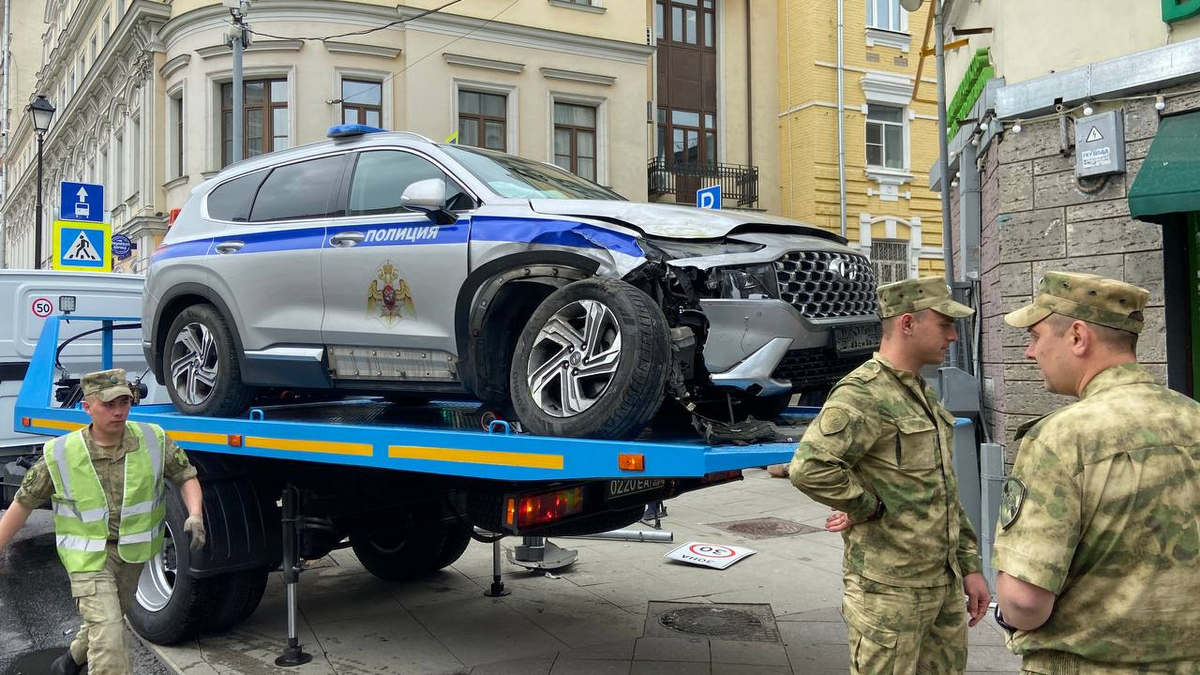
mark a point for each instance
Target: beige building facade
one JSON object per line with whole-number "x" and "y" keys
{"x": 144, "y": 96}
{"x": 1074, "y": 91}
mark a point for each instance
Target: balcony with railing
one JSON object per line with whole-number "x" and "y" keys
{"x": 739, "y": 184}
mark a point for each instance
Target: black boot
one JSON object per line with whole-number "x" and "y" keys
{"x": 65, "y": 665}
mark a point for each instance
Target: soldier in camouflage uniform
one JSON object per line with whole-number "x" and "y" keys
{"x": 879, "y": 453}
{"x": 113, "y": 463}
{"x": 1099, "y": 535}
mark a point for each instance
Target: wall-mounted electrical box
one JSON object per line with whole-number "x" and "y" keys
{"x": 1100, "y": 144}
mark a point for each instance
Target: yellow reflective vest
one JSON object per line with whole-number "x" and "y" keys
{"x": 81, "y": 510}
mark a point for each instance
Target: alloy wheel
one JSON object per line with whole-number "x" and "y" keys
{"x": 194, "y": 363}
{"x": 574, "y": 358}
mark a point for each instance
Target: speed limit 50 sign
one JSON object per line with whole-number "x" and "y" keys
{"x": 42, "y": 307}
{"x": 718, "y": 556}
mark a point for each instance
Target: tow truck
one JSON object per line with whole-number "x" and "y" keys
{"x": 407, "y": 487}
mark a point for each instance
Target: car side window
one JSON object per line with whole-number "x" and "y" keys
{"x": 381, "y": 176}
{"x": 300, "y": 190}
{"x": 232, "y": 200}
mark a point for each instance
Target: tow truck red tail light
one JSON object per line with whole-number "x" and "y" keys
{"x": 721, "y": 477}
{"x": 544, "y": 507}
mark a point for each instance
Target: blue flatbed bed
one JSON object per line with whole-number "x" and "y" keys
{"x": 441, "y": 438}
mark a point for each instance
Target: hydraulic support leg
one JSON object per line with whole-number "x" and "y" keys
{"x": 497, "y": 589}
{"x": 292, "y": 655}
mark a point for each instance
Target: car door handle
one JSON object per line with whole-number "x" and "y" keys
{"x": 229, "y": 246}
{"x": 346, "y": 239}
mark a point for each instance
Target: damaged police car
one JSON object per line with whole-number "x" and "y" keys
{"x": 382, "y": 262}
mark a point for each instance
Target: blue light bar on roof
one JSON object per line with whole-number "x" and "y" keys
{"x": 347, "y": 130}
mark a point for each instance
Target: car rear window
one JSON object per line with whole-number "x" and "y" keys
{"x": 300, "y": 190}
{"x": 232, "y": 200}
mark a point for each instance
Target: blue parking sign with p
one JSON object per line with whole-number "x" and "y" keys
{"x": 709, "y": 197}
{"x": 81, "y": 201}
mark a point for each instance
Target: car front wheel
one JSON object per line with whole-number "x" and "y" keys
{"x": 591, "y": 362}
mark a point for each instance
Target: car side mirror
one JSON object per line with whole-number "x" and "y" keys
{"x": 428, "y": 197}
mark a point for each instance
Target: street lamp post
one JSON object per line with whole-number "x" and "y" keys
{"x": 42, "y": 113}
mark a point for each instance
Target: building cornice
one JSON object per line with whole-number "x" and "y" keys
{"x": 480, "y": 62}
{"x": 526, "y": 36}
{"x": 576, "y": 76}
{"x": 260, "y": 46}
{"x": 207, "y": 18}
{"x": 887, "y": 88}
{"x": 173, "y": 65}
{"x": 361, "y": 49}
{"x": 888, "y": 38}
{"x": 578, "y": 7}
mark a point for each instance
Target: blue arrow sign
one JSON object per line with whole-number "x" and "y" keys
{"x": 81, "y": 201}
{"x": 709, "y": 197}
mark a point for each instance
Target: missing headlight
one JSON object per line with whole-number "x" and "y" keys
{"x": 755, "y": 282}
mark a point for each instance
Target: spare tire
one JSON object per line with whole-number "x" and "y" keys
{"x": 592, "y": 362}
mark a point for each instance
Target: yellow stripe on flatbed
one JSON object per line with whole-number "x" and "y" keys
{"x": 493, "y": 457}
{"x": 331, "y": 447}
{"x": 198, "y": 437}
{"x": 58, "y": 424}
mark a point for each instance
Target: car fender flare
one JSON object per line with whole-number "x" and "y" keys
{"x": 160, "y": 329}
{"x": 482, "y": 285}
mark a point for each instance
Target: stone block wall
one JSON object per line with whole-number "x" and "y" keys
{"x": 1038, "y": 217}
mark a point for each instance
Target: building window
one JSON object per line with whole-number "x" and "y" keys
{"x": 886, "y": 15}
{"x": 686, "y": 22}
{"x": 885, "y": 136}
{"x": 119, "y": 170}
{"x": 575, "y": 139}
{"x": 265, "y": 121}
{"x": 682, "y": 139}
{"x": 106, "y": 26}
{"x": 135, "y": 155}
{"x": 177, "y": 137}
{"x": 92, "y": 49}
{"x": 890, "y": 259}
{"x": 482, "y": 120}
{"x": 362, "y": 102}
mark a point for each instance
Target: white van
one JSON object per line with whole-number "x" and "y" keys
{"x": 27, "y": 297}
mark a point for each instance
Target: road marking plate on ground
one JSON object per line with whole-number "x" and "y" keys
{"x": 718, "y": 556}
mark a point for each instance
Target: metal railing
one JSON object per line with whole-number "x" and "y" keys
{"x": 739, "y": 184}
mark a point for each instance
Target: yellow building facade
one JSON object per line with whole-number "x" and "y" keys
{"x": 889, "y": 138}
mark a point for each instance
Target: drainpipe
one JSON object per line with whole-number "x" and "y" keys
{"x": 944, "y": 158}
{"x": 749, "y": 98}
{"x": 841, "y": 113}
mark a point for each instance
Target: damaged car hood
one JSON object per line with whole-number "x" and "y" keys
{"x": 670, "y": 221}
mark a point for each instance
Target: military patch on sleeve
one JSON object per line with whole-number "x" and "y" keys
{"x": 1011, "y": 500}
{"x": 180, "y": 458}
{"x": 833, "y": 420}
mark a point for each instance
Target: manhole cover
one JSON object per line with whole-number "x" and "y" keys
{"x": 742, "y": 622}
{"x": 765, "y": 528}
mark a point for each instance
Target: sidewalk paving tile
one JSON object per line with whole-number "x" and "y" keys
{"x": 691, "y": 650}
{"x": 564, "y": 666}
{"x": 748, "y": 653}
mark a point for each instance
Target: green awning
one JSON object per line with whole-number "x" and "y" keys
{"x": 1169, "y": 180}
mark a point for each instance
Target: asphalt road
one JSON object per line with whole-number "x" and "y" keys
{"x": 37, "y": 616}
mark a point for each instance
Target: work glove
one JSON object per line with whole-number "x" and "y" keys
{"x": 194, "y": 527}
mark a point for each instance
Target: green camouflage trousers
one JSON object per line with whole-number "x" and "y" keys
{"x": 904, "y": 631}
{"x": 102, "y": 598}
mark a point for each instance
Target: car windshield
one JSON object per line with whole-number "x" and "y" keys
{"x": 519, "y": 178}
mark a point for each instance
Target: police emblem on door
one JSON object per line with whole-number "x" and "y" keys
{"x": 389, "y": 298}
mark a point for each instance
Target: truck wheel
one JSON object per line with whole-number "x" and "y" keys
{"x": 238, "y": 596}
{"x": 200, "y": 363}
{"x": 401, "y": 554}
{"x": 458, "y": 536}
{"x": 170, "y": 604}
{"x": 591, "y": 362}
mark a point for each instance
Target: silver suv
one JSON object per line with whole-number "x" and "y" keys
{"x": 382, "y": 262}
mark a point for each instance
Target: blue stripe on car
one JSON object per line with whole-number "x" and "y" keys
{"x": 553, "y": 233}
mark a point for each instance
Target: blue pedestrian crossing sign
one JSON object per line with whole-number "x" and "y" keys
{"x": 82, "y": 247}
{"x": 709, "y": 197}
{"x": 81, "y": 201}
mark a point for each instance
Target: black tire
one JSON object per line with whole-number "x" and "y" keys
{"x": 227, "y": 396}
{"x": 458, "y": 537}
{"x": 170, "y": 604}
{"x": 400, "y": 554}
{"x": 236, "y": 597}
{"x": 631, "y": 396}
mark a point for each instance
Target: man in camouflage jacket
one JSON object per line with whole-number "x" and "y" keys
{"x": 1099, "y": 533}
{"x": 880, "y": 454}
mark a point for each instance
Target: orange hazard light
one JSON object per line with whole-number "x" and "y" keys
{"x": 631, "y": 462}
{"x": 235, "y": 440}
{"x": 26, "y": 422}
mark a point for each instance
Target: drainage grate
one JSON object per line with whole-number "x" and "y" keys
{"x": 765, "y": 528}
{"x": 740, "y": 622}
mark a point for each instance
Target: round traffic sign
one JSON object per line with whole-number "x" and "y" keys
{"x": 710, "y": 551}
{"x": 42, "y": 307}
{"x": 121, "y": 245}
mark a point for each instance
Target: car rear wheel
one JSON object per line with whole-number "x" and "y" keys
{"x": 200, "y": 363}
{"x": 591, "y": 362}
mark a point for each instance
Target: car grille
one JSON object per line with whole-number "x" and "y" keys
{"x": 823, "y": 284}
{"x": 812, "y": 368}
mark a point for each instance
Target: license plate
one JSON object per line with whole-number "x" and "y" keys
{"x": 632, "y": 486}
{"x": 860, "y": 338}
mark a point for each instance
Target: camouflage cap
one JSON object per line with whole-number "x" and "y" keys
{"x": 913, "y": 295}
{"x": 1088, "y": 297}
{"x": 107, "y": 385}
